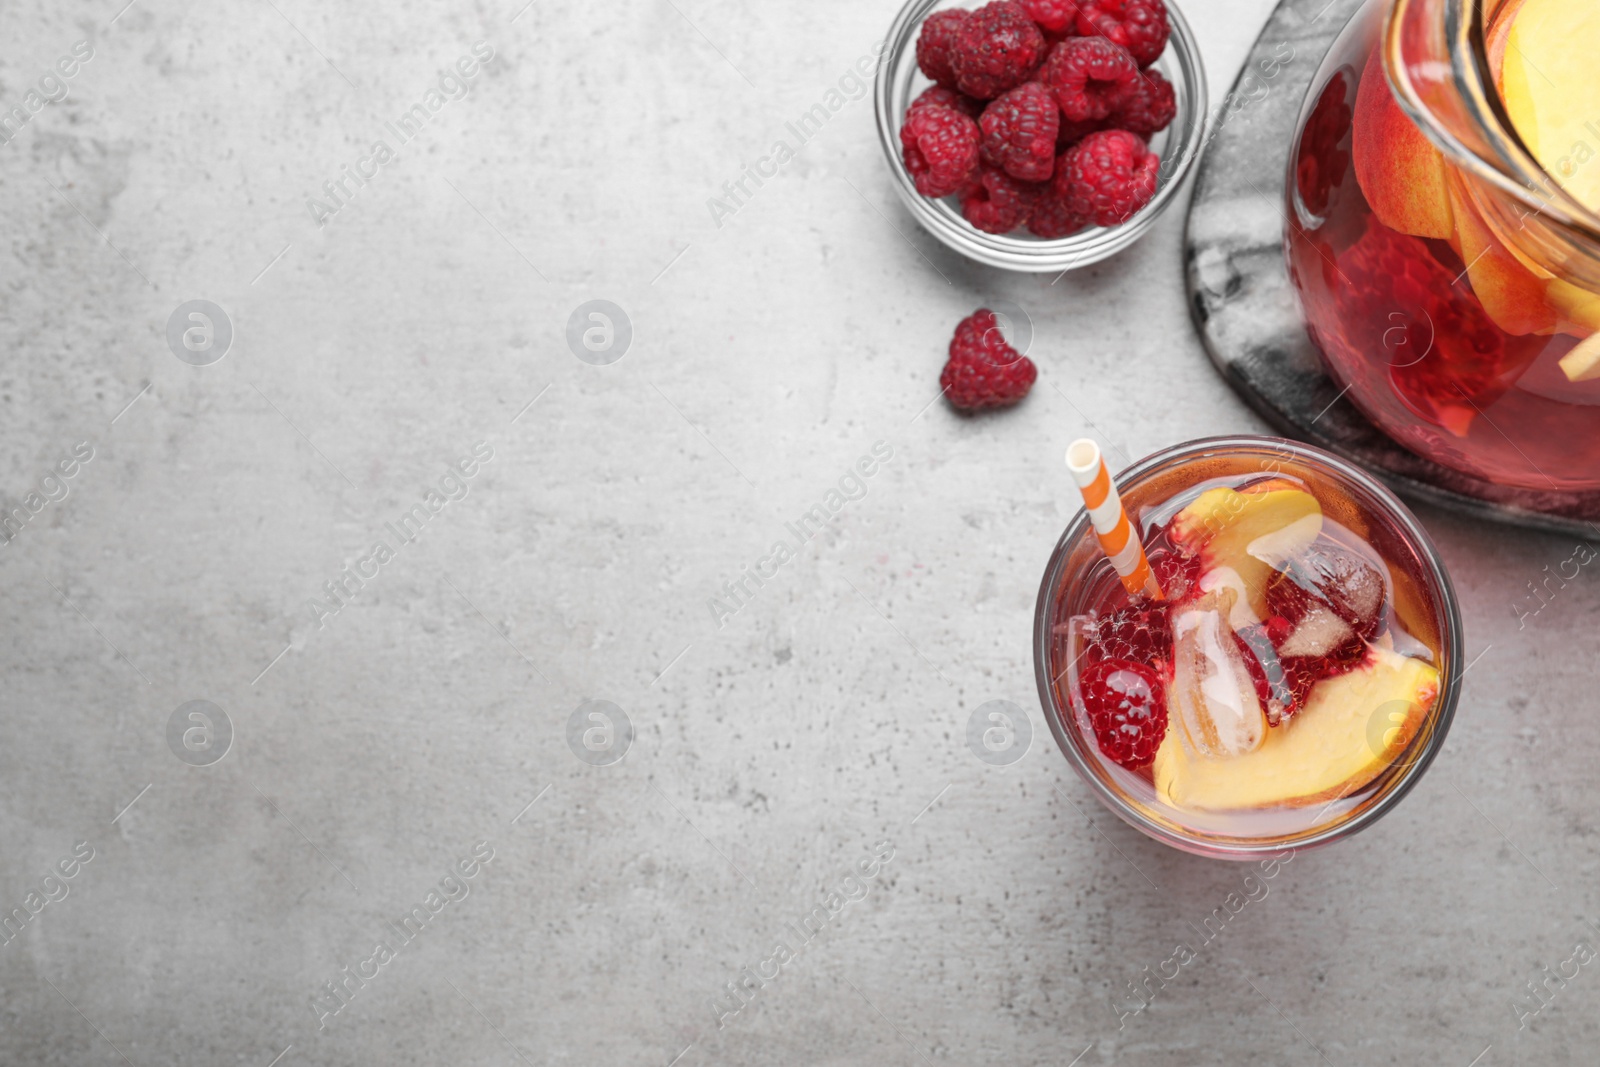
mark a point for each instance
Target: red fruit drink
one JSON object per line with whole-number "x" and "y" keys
{"x": 1298, "y": 672}
{"x": 1460, "y": 318}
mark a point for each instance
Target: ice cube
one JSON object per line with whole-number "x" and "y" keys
{"x": 1318, "y": 633}
{"x": 1212, "y": 696}
{"x": 1239, "y": 614}
{"x": 1333, "y": 577}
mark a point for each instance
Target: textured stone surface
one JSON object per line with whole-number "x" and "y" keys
{"x": 772, "y": 753}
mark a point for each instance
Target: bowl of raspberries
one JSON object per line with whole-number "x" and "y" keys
{"x": 1040, "y": 135}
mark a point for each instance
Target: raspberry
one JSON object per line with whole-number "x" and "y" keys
{"x": 996, "y": 202}
{"x": 1053, "y": 16}
{"x": 998, "y": 48}
{"x": 1324, "y": 155}
{"x": 1138, "y": 632}
{"x": 1107, "y": 177}
{"x": 1352, "y": 587}
{"x": 939, "y": 96}
{"x": 1176, "y": 573}
{"x": 1149, "y": 108}
{"x": 1127, "y": 709}
{"x": 1090, "y": 77}
{"x": 933, "y": 44}
{"x": 941, "y": 149}
{"x": 1019, "y": 132}
{"x": 1051, "y": 219}
{"x": 984, "y": 371}
{"x": 1447, "y": 359}
{"x": 1140, "y": 26}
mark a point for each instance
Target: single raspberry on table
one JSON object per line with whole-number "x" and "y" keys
{"x": 1019, "y": 132}
{"x": 933, "y": 44}
{"x": 1090, "y": 77}
{"x": 1107, "y": 177}
{"x": 1058, "y": 17}
{"x": 940, "y": 146}
{"x": 1127, "y": 710}
{"x": 939, "y": 96}
{"x": 1149, "y": 108}
{"x": 996, "y": 49}
{"x": 995, "y": 202}
{"x": 984, "y": 371}
{"x": 1140, "y": 26}
{"x": 1051, "y": 219}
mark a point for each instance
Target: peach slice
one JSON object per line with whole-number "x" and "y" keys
{"x": 1547, "y": 85}
{"x": 1582, "y": 364}
{"x": 1400, "y": 172}
{"x": 1353, "y": 726}
{"x": 1579, "y": 307}
{"x": 1252, "y": 531}
{"x": 1511, "y": 294}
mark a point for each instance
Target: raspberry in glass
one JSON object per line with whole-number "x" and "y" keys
{"x": 1107, "y": 177}
{"x": 940, "y": 148}
{"x": 1090, "y": 77}
{"x": 998, "y": 48}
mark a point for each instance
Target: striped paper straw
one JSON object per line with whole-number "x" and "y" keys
{"x": 1111, "y": 525}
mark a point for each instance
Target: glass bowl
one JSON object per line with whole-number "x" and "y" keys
{"x": 1152, "y": 489}
{"x": 899, "y": 82}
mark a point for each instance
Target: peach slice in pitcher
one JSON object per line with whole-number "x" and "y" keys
{"x": 1511, "y": 294}
{"x": 1546, "y": 82}
{"x": 1400, "y": 172}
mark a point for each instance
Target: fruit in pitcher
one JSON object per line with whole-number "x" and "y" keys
{"x": 1399, "y": 170}
{"x": 1546, "y": 82}
{"x": 1511, "y": 294}
{"x": 1353, "y": 726}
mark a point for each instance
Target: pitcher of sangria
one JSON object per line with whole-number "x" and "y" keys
{"x": 1444, "y": 231}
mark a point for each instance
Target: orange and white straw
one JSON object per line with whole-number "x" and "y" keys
{"x": 1088, "y": 469}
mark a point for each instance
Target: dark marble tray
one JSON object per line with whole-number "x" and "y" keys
{"x": 1245, "y": 310}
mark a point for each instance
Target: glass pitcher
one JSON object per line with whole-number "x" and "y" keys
{"x": 1449, "y": 277}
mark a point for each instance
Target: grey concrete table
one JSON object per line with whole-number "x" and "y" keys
{"x": 400, "y": 857}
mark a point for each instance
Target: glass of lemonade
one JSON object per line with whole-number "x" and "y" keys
{"x": 1298, "y": 674}
{"x": 1443, "y": 231}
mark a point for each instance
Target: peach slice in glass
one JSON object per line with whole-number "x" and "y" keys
{"x": 1252, "y": 530}
{"x": 1353, "y": 727}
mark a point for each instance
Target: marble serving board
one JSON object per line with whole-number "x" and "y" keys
{"x": 1245, "y": 309}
